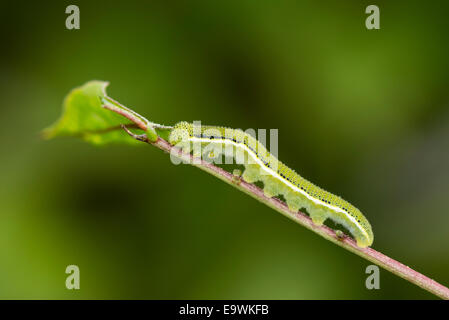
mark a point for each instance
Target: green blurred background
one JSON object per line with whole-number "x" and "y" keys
{"x": 364, "y": 114}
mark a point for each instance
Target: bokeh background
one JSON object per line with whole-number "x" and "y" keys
{"x": 364, "y": 114}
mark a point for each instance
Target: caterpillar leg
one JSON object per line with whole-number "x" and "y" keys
{"x": 236, "y": 176}
{"x": 272, "y": 187}
{"x": 294, "y": 201}
{"x": 318, "y": 216}
{"x": 251, "y": 173}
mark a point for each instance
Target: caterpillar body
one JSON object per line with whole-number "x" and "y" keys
{"x": 278, "y": 179}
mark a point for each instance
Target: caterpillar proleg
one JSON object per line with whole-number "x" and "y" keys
{"x": 278, "y": 179}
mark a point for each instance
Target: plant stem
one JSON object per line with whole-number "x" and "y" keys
{"x": 344, "y": 241}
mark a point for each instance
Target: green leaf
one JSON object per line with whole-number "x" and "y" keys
{"x": 83, "y": 116}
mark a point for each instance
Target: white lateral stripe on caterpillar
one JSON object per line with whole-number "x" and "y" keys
{"x": 278, "y": 179}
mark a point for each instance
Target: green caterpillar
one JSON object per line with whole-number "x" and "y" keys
{"x": 278, "y": 179}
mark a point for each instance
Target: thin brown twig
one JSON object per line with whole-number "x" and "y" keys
{"x": 344, "y": 241}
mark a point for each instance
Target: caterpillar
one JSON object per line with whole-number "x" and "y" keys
{"x": 277, "y": 178}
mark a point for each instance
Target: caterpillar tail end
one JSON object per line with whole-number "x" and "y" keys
{"x": 364, "y": 242}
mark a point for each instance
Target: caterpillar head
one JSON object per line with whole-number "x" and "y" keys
{"x": 182, "y": 131}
